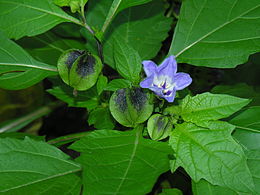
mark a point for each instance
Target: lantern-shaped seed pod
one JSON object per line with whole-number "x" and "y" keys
{"x": 79, "y": 69}
{"x": 131, "y": 106}
{"x": 159, "y": 126}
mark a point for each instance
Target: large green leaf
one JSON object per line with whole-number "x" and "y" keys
{"x": 128, "y": 61}
{"x": 248, "y": 120}
{"x": 217, "y": 33}
{"x": 120, "y": 161}
{"x": 248, "y": 135}
{"x": 101, "y": 118}
{"x": 209, "y": 106}
{"x": 143, "y": 27}
{"x": 101, "y": 84}
{"x": 240, "y": 90}
{"x": 48, "y": 47}
{"x": 203, "y": 187}
{"x": 253, "y": 162}
{"x": 30, "y": 17}
{"x": 86, "y": 99}
{"x": 34, "y": 167}
{"x": 209, "y": 152}
{"x": 117, "y": 84}
{"x": 117, "y": 6}
{"x": 19, "y": 70}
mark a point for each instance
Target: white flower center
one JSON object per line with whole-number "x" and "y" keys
{"x": 163, "y": 81}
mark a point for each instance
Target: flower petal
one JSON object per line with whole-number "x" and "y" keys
{"x": 149, "y": 67}
{"x": 170, "y": 98}
{"x": 182, "y": 80}
{"x": 168, "y": 67}
{"x": 147, "y": 83}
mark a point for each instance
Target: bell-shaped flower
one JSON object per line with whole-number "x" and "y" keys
{"x": 164, "y": 79}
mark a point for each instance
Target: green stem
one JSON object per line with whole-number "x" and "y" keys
{"x": 67, "y": 138}
{"x": 85, "y": 25}
{"x": 84, "y": 21}
{"x": 31, "y": 116}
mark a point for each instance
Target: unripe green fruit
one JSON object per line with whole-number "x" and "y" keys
{"x": 131, "y": 106}
{"x": 159, "y": 126}
{"x": 79, "y": 69}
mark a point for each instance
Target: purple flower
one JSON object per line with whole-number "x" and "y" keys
{"x": 164, "y": 79}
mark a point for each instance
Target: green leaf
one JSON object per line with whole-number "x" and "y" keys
{"x": 131, "y": 106}
{"x": 116, "y": 84}
{"x": 128, "y": 61}
{"x": 30, "y": 18}
{"x": 117, "y": 6}
{"x": 101, "y": 119}
{"x": 173, "y": 191}
{"x": 62, "y": 3}
{"x": 209, "y": 106}
{"x": 211, "y": 154}
{"x": 120, "y": 161}
{"x": 18, "y": 70}
{"x": 33, "y": 166}
{"x": 59, "y": 141}
{"x": 248, "y": 120}
{"x": 86, "y": 99}
{"x": 253, "y": 161}
{"x": 204, "y": 187}
{"x": 129, "y": 3}
{"x": 101, "y": 83}
{"x": 247, "y": 133}
{"x": 75, "y": 5}
{"x": 48, "y": 47}
{"x": 143, "y": 27}
{"x": 216, "y": 33}
{"x": 21, "y": 135}
{"x": 240, "y": 90}
{"x": 68, "y": 30}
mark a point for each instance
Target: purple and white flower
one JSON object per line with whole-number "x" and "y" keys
{"x": 164, "y": 79}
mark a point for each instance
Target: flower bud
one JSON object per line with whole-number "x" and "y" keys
{"x": 159, "y": 126}
{"x": 79, "y": 69}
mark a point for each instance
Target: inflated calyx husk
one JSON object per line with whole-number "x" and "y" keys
{"x": 131, "y": 106}
{"x": 79, "y": 69}
{"x": 159, "y": 126}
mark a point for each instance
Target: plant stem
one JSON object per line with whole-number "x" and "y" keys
{"x": 67, "y": 138}
{"x": 28, "y": 118}
{"x": 84, "y": 22}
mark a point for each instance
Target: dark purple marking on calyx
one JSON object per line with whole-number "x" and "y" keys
{"x": 161, "y": 123}
{"x": 72, "y": 57}
{"x": 85, "y": 65}
{"x": 138, "y": 98}
{"x": 120, "y": 100}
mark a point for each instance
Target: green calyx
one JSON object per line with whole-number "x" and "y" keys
{"x": 131, "y": 106}
{"x": 159, "y": 126}
{"x": 79, "y": 69}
